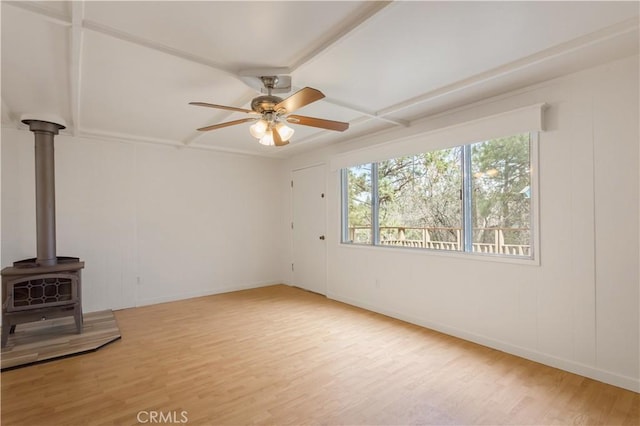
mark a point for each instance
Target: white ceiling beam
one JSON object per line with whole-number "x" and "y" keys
{"x": 140, "y": 41}
{"x": 75, "y": 63}
{"x": 372, "y": 10}
{"x": 559, "y": 50}
{"x": 46, "y": 12}
{"x": 366, "y": 113}
{"x": 122, "y": 137}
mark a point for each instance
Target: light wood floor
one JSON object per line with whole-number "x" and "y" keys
{"x": 279, "y": 355}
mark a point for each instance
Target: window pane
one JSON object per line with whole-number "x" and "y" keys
{"x": 419, "y": 200}
{"x": 359, "y": 224}
{"x": 501, "y": 207}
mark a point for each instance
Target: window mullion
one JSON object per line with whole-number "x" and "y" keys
{"x": 375, "y": 204}
{"x": 467, "y": 193}
{"x": 344, "y": 188}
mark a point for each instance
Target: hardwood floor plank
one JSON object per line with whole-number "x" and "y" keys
{"x": 280, "y": 355}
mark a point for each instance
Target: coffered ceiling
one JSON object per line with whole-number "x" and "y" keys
{"x": 127, "y": 70}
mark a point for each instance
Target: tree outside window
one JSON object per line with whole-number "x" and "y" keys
{"x": 419, "y": 200}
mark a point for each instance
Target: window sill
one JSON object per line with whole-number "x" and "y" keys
{"x": 482, "y": 257}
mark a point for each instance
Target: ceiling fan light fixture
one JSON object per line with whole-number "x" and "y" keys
{"x": 285, "y": 131}
{"x": 267, "y": 138}
{"x": 259, "y": 129}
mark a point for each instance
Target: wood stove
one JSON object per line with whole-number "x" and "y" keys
{"x": 47, "y": 286}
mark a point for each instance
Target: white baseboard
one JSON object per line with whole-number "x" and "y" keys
{"x": 625, "y": 382}
{"x": 208, "y": 292}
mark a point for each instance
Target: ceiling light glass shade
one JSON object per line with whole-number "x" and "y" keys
{"x": 258, "y": 129}
{"x": 267, "y": 139}
{"x": 285, "y": 131}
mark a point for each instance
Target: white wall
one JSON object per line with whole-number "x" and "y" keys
{"x": 152, "y": 223}
{"x": 578, "y": 309}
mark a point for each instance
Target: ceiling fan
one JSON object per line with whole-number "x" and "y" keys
{"x": 271, "y": 113}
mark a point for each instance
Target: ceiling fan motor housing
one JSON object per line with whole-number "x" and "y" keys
{"x": 265, "y": 103}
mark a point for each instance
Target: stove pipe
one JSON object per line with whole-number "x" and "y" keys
{"x": 45, "y": 189}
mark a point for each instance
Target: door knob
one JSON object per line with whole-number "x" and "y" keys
{"x": 322, "y": 237}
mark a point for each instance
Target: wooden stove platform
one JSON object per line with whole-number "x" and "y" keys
{"x": 56, "y": 338}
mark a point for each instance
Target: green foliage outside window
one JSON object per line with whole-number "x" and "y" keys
{"x": 359, "y": 207}
{"x": 420, "y": 199}
{"x": 501, "y": 188}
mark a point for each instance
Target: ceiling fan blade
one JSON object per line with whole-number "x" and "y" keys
{"x": 299, "y": 99}
{"x": 318, "y": 122}
{"x": 228, "y": 123}
{"x": 228, "y": 108}
{"x": 277, "y": 139}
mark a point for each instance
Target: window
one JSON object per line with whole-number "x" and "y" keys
{"x": 359, "y": 204}
{"x": 419, "y": 201}
{"x": 472, "y": 198}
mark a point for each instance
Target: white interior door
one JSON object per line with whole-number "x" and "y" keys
{"x": 309, "y": 223}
